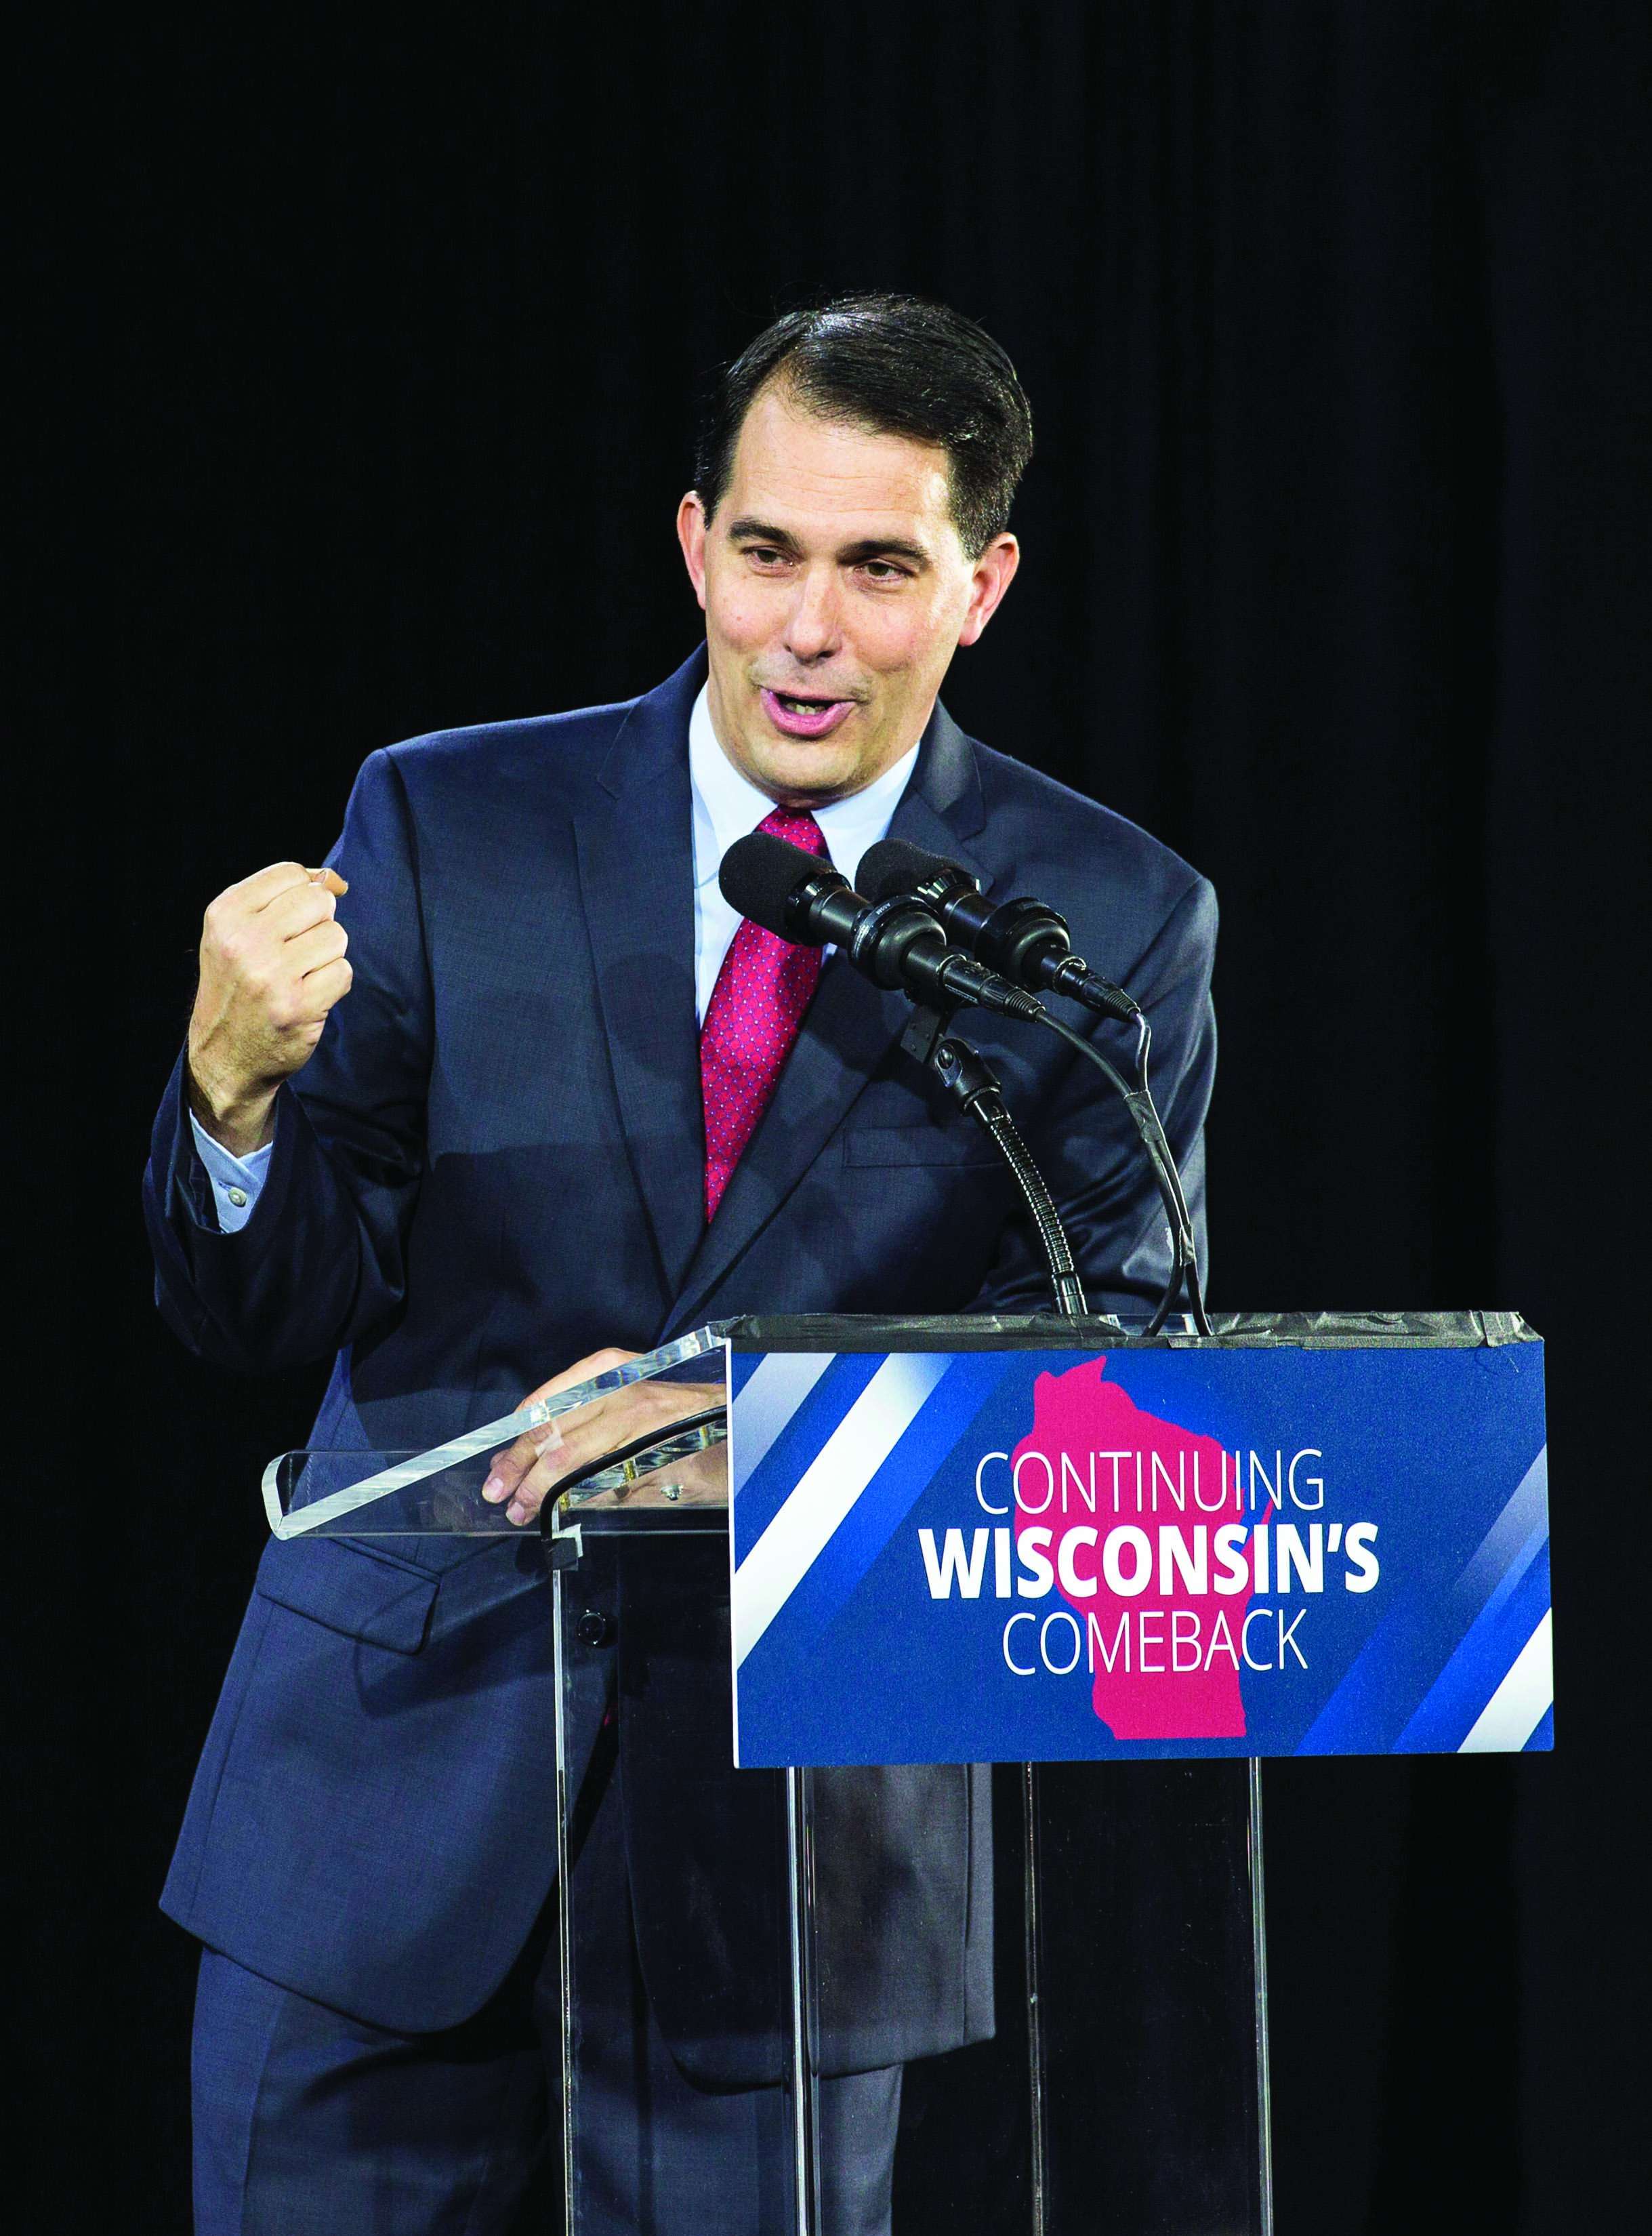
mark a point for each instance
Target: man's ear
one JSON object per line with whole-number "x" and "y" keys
{"x": 691, "y": 534}
{"x": 993, "y": 573}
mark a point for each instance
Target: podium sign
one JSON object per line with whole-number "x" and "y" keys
{"x": 1302, "y": 1537}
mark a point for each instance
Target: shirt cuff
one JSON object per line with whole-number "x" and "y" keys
{"x": 236, "y": 1181}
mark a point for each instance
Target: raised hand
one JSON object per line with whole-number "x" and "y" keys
{"x": 272, "y": 966}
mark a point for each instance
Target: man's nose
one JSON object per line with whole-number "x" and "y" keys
{"x": 814, "y": 626}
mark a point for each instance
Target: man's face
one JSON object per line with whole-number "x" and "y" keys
{"x": 835, "y": 591}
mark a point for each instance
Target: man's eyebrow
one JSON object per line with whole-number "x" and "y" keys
{"x": 747, "y": 529}
{"x": 883, "y": 547}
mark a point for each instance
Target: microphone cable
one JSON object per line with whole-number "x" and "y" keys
{"x": 1138, "y": 1102}
{"x": 1027, "y": 941}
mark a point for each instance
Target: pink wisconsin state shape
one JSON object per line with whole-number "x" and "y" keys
{"x": 1081, "y": 1412}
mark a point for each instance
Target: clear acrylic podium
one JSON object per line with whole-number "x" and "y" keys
{"x": 1056, "y": 1974}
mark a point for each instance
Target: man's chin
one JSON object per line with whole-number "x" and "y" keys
{"x": 801, "y": 772}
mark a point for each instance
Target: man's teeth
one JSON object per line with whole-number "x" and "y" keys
{"x": 804, "y": 705}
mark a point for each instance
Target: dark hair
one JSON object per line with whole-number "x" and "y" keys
{"x": 896, "y": 365}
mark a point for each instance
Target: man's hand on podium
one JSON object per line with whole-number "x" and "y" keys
{"x": 531, "y": 1468}
{"x": 272, "y": 966}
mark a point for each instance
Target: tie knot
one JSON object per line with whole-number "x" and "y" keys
{"x": 796, "y": 826}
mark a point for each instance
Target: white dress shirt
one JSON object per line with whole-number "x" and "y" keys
{"x": 727, "y": 807}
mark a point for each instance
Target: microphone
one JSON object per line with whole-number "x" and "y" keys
{"x": 896, "y": 942}
{"x": 1028, "y": 941}
{"x": 1024, "y": 940}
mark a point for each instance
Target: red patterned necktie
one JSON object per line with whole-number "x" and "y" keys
{"x": 751, "y": 1020}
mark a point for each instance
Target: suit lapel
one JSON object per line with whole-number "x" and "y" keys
{"x": 635, "y": 841}
{"x": 846, "y": 1035}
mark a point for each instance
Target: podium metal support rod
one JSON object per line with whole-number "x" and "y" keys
{"x": 1035, "y": 2072}
{"x": 1259, "y": 1978}
{"x": 569, "y": 2090}
{"x": 800, "y": 1889}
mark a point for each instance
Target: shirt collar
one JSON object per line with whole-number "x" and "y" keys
{"x": 728, "y": 805}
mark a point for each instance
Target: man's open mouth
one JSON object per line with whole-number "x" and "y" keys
{"x": 804, "y": 714}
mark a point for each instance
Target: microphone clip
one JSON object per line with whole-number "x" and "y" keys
{"x": 925, "y": 1029}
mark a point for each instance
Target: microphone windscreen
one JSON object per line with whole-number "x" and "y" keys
{"x": 760, "y": 873}
{"x": 892, "y": 866}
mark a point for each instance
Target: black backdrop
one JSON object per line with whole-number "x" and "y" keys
{"x": 364, "y": 370}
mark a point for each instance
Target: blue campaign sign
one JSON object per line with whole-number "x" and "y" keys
{"x": 1016, "y": 1555}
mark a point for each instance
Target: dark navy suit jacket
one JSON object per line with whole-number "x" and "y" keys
{"x": 492, "y": 1166}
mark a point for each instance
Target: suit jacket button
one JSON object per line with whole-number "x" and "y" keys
{"x": 594, "y": 1629}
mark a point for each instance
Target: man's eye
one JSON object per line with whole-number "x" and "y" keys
{"x": 883, "y": 570}
{"x": 763, "y": 553}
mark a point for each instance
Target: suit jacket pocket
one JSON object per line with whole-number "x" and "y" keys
{"x": 962, "y": 1144}
{"x": 368, "y": 1595}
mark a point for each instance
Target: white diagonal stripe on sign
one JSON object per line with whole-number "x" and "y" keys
{"x": 827, "y": 1490}
{"x": 1520, "y": 1702}
{"x": 777, "y": 1387}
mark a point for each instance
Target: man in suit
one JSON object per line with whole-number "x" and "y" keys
{"x": 557, "y": 1099}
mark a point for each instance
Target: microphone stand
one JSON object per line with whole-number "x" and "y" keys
{"x": 974, "y": 1086}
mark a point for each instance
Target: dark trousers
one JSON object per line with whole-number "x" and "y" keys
{"x": 308, "y": 2123}
{"x": 311, "y": 2123}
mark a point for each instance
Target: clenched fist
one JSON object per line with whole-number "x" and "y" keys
{"x": 272, "y": 966}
